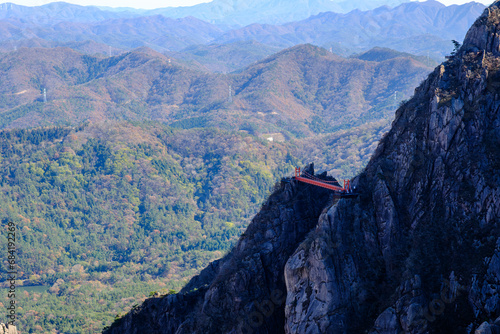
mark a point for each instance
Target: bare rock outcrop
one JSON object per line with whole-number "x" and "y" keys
{"x": 418, "y": 251}
{"x": 8, "y": 329}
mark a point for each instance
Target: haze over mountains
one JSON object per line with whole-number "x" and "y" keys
{"x": 226, "y": 12}
{"x": 238, "y": 12}
{"x": 420, "y": 28}
{"x": 411, "y": 27}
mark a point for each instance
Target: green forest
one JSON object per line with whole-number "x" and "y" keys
{"x": 109, "y": 213}
{"x": 123, "y": 206}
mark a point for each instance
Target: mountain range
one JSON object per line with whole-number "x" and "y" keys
{"x": 135, "y": 148}
{"x": 412, "y": 27}
{"x": 112, "y": 205}
{"x": 298, "y": 92}
{"x": 225, "y": 12}
{"x": 237, "y": 12}
{"x": 425, "y": 28}
{"x": 158, "y": 31}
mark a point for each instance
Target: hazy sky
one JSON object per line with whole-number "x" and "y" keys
{"x": 148, "y": 4}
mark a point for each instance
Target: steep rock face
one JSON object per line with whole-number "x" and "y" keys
{"x": 245, "y": 291}
{"x": 419, "y": 250}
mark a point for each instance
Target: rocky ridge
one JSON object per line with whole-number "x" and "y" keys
{"x": 417, "y": 252}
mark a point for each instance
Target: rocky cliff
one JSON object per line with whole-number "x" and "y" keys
{"x": 417, "y": 252}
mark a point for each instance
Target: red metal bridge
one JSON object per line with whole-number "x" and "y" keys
{"x": 305, "y": 177}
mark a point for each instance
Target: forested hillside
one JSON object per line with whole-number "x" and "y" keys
{"x": 145, "y": 168}
{"x": 297, "y": 92}
{"x": 108, "y": 212}
{"x": 112, "y": 202}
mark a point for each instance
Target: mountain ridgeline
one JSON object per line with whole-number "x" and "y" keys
{"x": 416, "y": 252}
{"x": 420, "y": 28}
{"x": 424, "y": 28}
{"x": 297, "y": 92}
{"x": 226, "y": 12}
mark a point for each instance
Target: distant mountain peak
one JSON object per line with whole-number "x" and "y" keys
{"x": 242, "y": 13}
{"x": 379, "y": 54}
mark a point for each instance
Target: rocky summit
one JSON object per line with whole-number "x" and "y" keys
{"x": 418, "y": 251}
